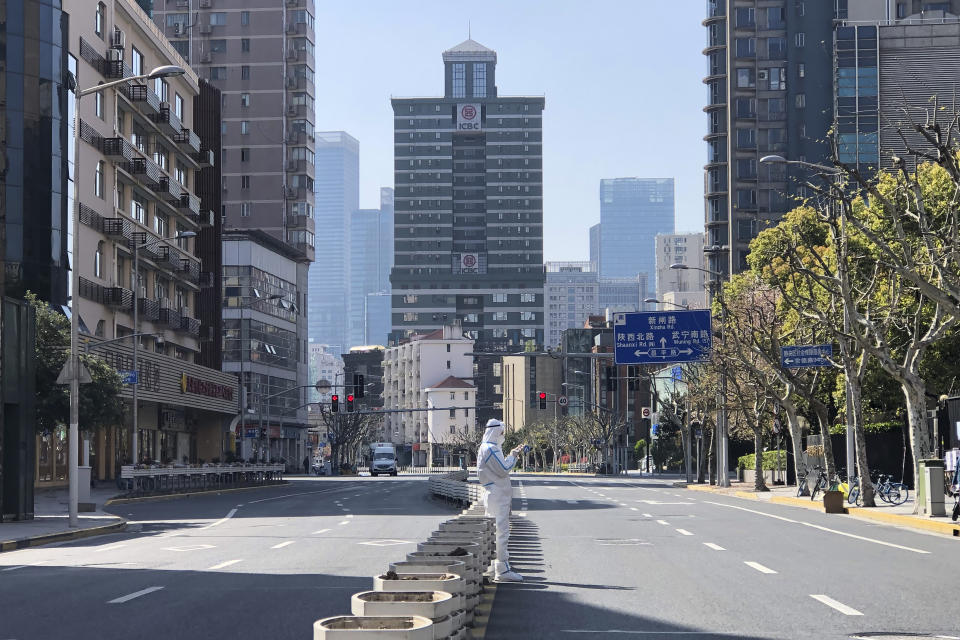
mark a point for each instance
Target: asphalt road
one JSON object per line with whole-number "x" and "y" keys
{"x": 637, "y": 558}
{"x": 261, "y": 564}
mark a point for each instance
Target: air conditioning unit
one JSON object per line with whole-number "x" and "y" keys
{"x": 206, "y": 29}
{"x": 762, "y": 74}
{"x": 183, "y": 3}
{"x": 164, "y": 106}
{"x": 118, "y": 39}
{"x": 178, "y": 28}
{"x": 204, "y": 4}
{"x": 115, "y": 55}
{"x": 206, "y": 57}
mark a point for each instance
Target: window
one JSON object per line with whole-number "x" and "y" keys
{"x": 499, "y": 297}
{"x": 746, "y": 47}
{"x": 746, "y": 78}
{"x": 160, "y": 157}
{"x": 160, "y": 288}
{"x": 244, "y": 100}
{"x": 801, "y": 70}
{"x": 244, "y": 127}
{"x": 448, "y": 364}
{"x": 98, "y": 260}
{"x": 453, "y": 395}
{"x": 499, "y": 316}
{"x": 777, "y": 48}
{"x": 98, "y": 104}
{"x": 218, "y": 18}
{"x": 453, "y": 414}
{"x": 746, "y": 198}
{"x": 161, "y": 225}
{"x": 98, "y": 19}
{"x": 528, "y": 297}
{"x": 138, "y": 209}
{"x": 218, "y": 46}
{"x": 244, "y": 209}
{"x": 245, "y": 18}
{"x": 776, "y": 17}
{"x": 244, "y": 182}
{"x": 746, "y": 138}
{"x": 161, "y": 88}
{"x": 218, "y": 73}
{"x": 178, "y": 105}
{"x": 746, "y": 17}
{"x": 801, "y": 100}
{"x": 180, "y": 174}
{"x": 479, "y": 80}
{"x": 801, "y": 39}
{"x": 136, "y": 61}
{"x": 245, "y": 45}
{"x": 98, "y": 180}
{"x": 410, "y": 317}
{"x": 527, "y": 315}
{"x": 245, "y": 72}
{"x": 746, "y": 107}
{"x": 459, "y": 81}
{"x": 778, "y": 78}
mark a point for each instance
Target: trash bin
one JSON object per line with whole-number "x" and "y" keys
{"x": 930, "y": 490}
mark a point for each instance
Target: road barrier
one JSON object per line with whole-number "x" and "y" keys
{"x": 142, "y": 480}
{"x": 418, "y": 471}
{"x": 434, "y": 593}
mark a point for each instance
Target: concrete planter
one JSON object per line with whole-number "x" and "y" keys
{"x": 372, "y": 628}
{"x": 435, "y": 565}
{"x": 482, "y": 554}
{"x": 470, "y": 559}
{"x": 439, "y": 606}
{"x": 460, "y": 537}
{"x": 448, "y": 582}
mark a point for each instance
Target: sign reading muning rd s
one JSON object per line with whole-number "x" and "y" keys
{"x": 190, "y": 384}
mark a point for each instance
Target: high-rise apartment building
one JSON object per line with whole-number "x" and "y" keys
{"x": 769, "y": 85}
{"x": 468, "y": 232}
{"x": 595, "y": 245}
{"x": 679, "y": 248}
{"x": 260, "y": 55}
{"x": 571, "y": 295}
{"x": 337, "y": 198}
{"x": 632, "y": 212}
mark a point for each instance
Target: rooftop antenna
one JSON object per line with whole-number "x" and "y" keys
{"x": 469, "y": 34}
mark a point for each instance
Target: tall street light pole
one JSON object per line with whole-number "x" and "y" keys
{"x": 834, "y": 173}
{"x": 723, "y": 444}
{"x": 74, "y": 361}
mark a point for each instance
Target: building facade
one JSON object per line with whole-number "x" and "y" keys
{"x": 571, "y": 295}
{"x": 323, "y": 366}
{"x": 264, "y": 281}
{"x": 595, "y": 245}
{"x": 260, "y": 55}
{"x": 632, "y": 212}
{"x": 769, "y": 86}
{"x": 337, "y": 198}
{"x": 469, "y": 213}
{"x": 409, "y": 369}
{"x": 679, "y": 248}
{"x": 370, "y": 259}
{"x": 624, "y": 294}
{"x": 451, "y": 424}
{"x": 524, "y": 378}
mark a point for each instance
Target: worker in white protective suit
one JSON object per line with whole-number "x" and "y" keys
{"x": 494, "y": 472}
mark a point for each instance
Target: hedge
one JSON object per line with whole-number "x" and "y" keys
{"x": 769, "y": 460}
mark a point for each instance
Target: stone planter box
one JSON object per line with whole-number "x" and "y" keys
{"x": 470, "y": 560}
{"x": 439, "y": 606}
{"x": 833, "y": 502}
{"x": 482, "y": 555}
{"x": 435, "y": 565}
{"x": 371, "y": 628}
{"x": 461, "y": 538}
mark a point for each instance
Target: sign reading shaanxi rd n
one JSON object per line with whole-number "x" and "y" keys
{"x": 190, "y": 384}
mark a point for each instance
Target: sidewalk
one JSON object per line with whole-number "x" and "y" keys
{"x": 51, "y": 520}
{"x": 900, "y": 515}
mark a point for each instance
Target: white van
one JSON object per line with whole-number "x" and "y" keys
{"x": 383, "y": 459}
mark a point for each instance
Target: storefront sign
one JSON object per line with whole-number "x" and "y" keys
{"x": 189, "y": 384}
{"x": 468, "y": 117}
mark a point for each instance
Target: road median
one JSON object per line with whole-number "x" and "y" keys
{"x": 173, "y": 496}
{"x": 61, "y": 536}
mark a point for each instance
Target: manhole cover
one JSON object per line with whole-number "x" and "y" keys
{"x": 620, "y": 542}
{"x": 897, "y": 635}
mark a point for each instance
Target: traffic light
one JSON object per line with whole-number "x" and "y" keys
{"x": 334, "y": 403}
{"x": 263, "y": 433}
{"x": 349, "y": 402}
{"x": 543, "y": 400}
{"x": 358, "y": 385}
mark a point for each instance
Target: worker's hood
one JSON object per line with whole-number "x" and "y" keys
{"x": 494, "y": 434}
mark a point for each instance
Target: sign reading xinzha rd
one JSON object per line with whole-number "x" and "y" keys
{"x": 806, "y": 355}
{"x": 662, "y": 336}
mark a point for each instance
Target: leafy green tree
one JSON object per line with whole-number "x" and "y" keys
{"x": 100, "y": 402}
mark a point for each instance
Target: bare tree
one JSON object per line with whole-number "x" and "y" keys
{"x": 346, "y": 431}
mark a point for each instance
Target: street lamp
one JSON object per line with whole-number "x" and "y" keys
{"x": 723, "y": 444}
{"x": 164, "y": 71}
{"x": 833, "y": 172}
{"x": 655, "y": 301}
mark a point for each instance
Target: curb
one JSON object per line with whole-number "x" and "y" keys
{"x": 174, "y": 496}
{"x": 37, "y": 541}
{"x": 481, "y": 616}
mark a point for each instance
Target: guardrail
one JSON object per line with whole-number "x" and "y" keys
{"x": 417, "y": 471}
{"x": 153, "y": 480}
{"x": 455, "y": 487}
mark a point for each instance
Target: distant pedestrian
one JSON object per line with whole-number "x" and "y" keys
{"x": 306, "y": 465}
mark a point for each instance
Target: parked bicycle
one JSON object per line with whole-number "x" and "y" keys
{"x": 802, "y": 487}
{"x": 821, "y": 483}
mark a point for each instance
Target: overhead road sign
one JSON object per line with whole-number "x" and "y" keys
{"x": 662, "y": 337}
{"x": 808, "y": 355}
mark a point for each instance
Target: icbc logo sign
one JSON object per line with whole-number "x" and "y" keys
{"x": 469, "y": 260}
{"x": 468, "y": 117}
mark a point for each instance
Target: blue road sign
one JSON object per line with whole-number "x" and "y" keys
{"x": 662, "y": 336}
{"x": 128, "y": 376}
{"x": 806, "y": 355}
{"x": 677, "y": 373}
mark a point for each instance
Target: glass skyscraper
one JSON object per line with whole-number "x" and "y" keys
{"x": 632, "y": 212}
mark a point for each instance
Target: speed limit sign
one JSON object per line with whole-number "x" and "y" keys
{"x": 563, "y": 401}
{"x": 645, "y": 412}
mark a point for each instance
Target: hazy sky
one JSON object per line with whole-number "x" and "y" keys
{"x": 622, "y": 80}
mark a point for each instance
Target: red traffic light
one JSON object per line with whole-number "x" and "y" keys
{"x": 542, "y": 404}
{"x": 543, "y": 396}
{"x": 350, "y": 398}
{"x": 334, "y": 403}
{"x": 334, "y": 397}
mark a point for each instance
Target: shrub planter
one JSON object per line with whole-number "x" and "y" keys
{"x": 439, "y": 606}
{"x": 482, "y": 555}
{"x": 460, "y": 537}
{"x": 435, "y": 565}
{"x": 833, "y": 502}
{"x": 371, "y": 628}
{"x": 448, "y": 582}
{"x": 470, "y": 560}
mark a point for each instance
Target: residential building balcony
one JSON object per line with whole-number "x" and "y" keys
{"x": 189, "y": 202}
{"x": 307, "y": 249}
{"x": 168, "y": 121}
{"x": 301, "y": 222}
{"x": 204, "y": 158}
{"x": 169, "y": 317}
{"x": 118, "y": 298}
{"x": 148, "y": 172}
{"x": 116, "y": 69}
{"x": 144, "y": 97}
{"x": 190, "y": 270}
{"x": 189, "y": 325}
{"x": 117, "y": 149}
{"x": 170, "y": 190}
{"x": 148, "y": 309}
{"x": 188, "y": 140}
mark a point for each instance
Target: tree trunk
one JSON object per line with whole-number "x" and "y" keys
{"x": 914, "y": 392}
{"x": 710, "y": 458}
{"x": 823, "y": 420}
{"x": 860, "y": 439}
{"x": 759, "y": 483}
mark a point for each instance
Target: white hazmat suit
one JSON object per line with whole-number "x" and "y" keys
{"x": 493, "y": 469}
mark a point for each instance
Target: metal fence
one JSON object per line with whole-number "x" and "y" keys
{"x": 455, "y": 487}
{"x": 138, "y": 481}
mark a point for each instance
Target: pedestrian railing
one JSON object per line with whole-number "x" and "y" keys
{"x": 417, "y": 471}
{"x": 454, "y": 486}
{"x": 142, "y": 480}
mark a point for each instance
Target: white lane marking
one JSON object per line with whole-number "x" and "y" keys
{"x": 522, "y": 514}
{"x": 646, "y": 515}
{"x": 320, "y": 531}
{"x": 344, "y": 522}
{"x": 192, "y": 547}
{"x": 224, "y": 565}
{"x": 623, "y": 504}
{"x": 713, "y": 546}
{"x": 852, "y": 535}
{"x": 220, "y": 521}
{"x": 283, "y": 544}
{"x": 135, "y": 594}
{"x": 759, "y": 567}
{"x": 633, "y": 632}
{"x": 839, "y": 606}
{"x": 684, "y": 532}
{"x": 633, "y": 509}
{"x": 110, "y": 547}
{"x": 344, "y": 509}
{"x": 663, "y": 522}
{"x": 571, "y": 502}
{"x": 759, "y": 513}
{"x": 349, "y": 515}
